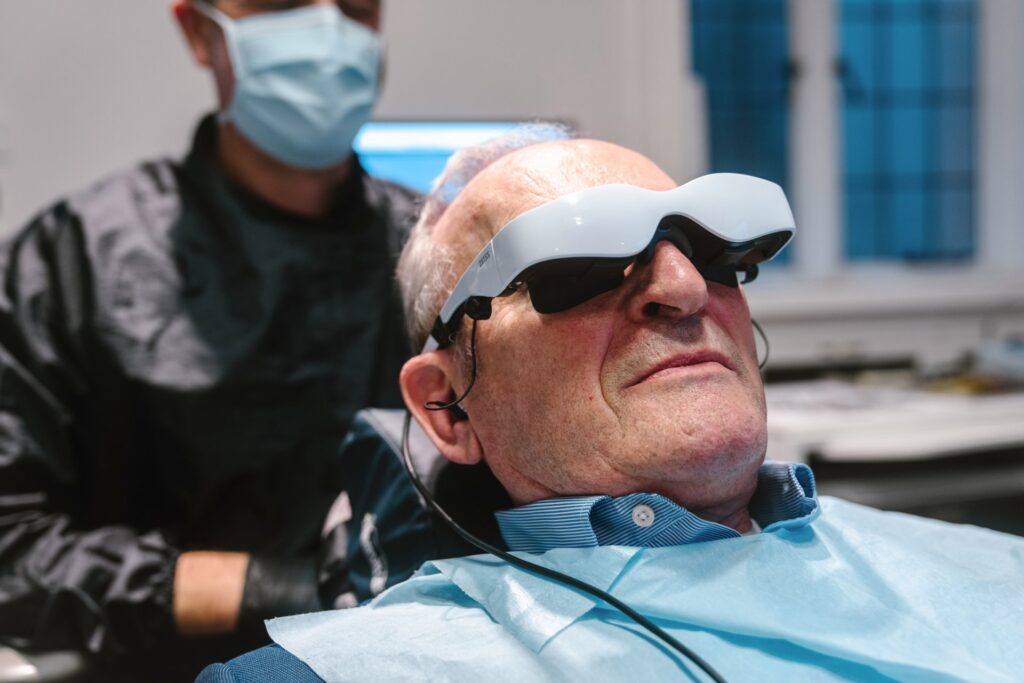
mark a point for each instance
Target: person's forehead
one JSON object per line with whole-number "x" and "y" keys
{"x": 540, "y": 173}
{"x": 364, "y": 11}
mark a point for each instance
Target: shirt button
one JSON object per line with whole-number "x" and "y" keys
{"x": 643, "y": 515}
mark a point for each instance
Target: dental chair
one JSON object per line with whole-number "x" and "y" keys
{"x": 383, "y": 500}
{"x": 388, "y": 520}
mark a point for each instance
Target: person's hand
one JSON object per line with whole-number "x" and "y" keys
{"x": 208, "y": 589}
{"x": 216, "y": 592}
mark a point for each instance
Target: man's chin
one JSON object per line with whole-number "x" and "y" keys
{"x": 702, "y": 445}
{"x": 722, "y": 401}
{"x": 707, "y": 479}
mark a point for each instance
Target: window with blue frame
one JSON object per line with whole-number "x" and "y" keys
{"x": 907, "y": 69}
{"x": 741, "y": 53}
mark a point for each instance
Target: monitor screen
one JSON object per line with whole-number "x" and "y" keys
{"x": 413, "y": 153}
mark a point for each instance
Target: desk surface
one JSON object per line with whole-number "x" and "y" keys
{"x": 844, "y": 422}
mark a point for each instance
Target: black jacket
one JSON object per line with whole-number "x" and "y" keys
{"x": 178, "y": 364}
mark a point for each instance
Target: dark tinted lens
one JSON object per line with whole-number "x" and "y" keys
{"x": 723, "y": 275}
{"x": 718, "y": 260}
{"x": 559, "y": 285}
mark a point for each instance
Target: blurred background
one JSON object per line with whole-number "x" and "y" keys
{"x": 896, "y": 320}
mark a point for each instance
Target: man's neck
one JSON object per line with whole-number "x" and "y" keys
{"x": 738, "y": 519}
{"x": 732, "y": 511}
{"x": 302, "y": 192}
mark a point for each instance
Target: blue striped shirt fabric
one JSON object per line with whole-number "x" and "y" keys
{"x": 785, "y": 498}
{"x": 857, "y": 595}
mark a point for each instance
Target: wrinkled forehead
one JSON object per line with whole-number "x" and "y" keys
{"x": 533, "y": 176}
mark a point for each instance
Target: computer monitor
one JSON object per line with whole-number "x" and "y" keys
{"x": 413, "y": 153}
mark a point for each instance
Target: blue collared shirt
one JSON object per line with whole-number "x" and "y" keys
{"x": 859, "y": 595}
{"x": 785, "y": 498}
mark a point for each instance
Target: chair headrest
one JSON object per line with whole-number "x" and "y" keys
{"x": 469, "y": 493}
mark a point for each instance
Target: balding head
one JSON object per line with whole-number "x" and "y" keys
{"x": 513, "y": 180}
{"x": 532, "y": 176}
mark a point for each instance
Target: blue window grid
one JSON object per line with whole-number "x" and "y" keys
{"x": 908, "y": 127}
{"x": 740, "y": 50}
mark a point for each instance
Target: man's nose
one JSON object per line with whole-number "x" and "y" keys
{"x": 667, "y": 286}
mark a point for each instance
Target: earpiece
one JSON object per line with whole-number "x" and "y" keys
{"x": 457, "y": 411}
{"x": 454, "y": 406}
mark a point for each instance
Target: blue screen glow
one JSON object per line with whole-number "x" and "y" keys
{"x": 413, "y": 153}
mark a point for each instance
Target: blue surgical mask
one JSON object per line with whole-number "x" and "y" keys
{"x": 305, "y": 81}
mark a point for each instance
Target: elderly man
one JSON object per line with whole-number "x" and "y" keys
{"x": 623, "y": 412}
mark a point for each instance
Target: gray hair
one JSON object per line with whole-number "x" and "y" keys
{"x": 426, "y": 270}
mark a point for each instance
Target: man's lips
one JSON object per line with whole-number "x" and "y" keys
{"x": 682, "y": 360}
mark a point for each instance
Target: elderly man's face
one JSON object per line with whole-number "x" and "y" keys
{"x": 653, "y": 386}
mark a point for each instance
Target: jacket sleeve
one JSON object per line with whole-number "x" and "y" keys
{"x": 64, "y": 581}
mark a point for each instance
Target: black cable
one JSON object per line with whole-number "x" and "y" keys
{"x": 456, "y": 404}
{"x": 767, "y": 346}
{"x": 544, "y": 571}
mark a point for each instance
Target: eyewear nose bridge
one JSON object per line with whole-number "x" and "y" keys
{"x": 672, "y": 230}
{"x": 710, "y": 256}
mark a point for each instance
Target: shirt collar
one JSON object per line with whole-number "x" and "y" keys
{"x": 785, "y": 498}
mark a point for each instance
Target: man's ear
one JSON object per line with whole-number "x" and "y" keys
{"x": 428, "y": 377}
{"x": 194, "y": 28}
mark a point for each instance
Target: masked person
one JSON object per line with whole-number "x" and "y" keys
{"x": 602, "y": 358}
{"x": 182, "y": 347}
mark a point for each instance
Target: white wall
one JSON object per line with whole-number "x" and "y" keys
{"x": 618, "y": 69}
{"x": 1001, "y": 134}
{"x": 89, "y": 87}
